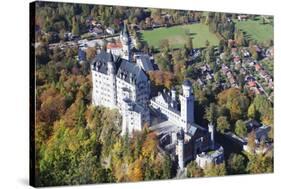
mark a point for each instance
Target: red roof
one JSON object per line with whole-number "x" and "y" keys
{"x": 252, "y": 83}
{"x": 114, "y": 45}
{"x": 258, "y": 66}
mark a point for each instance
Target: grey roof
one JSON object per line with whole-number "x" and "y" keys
{"x": 167, "y": 97}
{"x": 187, "y": 82}
{"x": 192, "y": 128}
{"x": 146, "y": 63}
{"x": 101, "y": 60}
{"x": 130, "y": 72}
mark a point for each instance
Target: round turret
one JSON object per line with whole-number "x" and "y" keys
{"x": 211, "y": 130}
{"x": 187, "y": 88}
{"x": 173, "y": 91}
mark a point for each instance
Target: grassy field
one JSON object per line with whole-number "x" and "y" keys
{"x": 177, "y": 37}
{"x": 255, "y": 30}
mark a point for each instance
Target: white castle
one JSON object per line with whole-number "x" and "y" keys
{"x": 168, "y": 104}
{"x": 119, "y": 83}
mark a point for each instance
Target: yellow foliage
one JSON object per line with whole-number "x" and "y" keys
{"x": 149, "y": 148}
{"x": 135, "y": 171}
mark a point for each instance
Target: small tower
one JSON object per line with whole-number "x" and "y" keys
{"x": 112, "y": 79}
{"x": 211, "y": 130}
{"x": 180, "y": 152}
{"x": 174, "y": 102}
{"x": 173, "y": 91}
{"x": 126, "y": 41}
{"x": 187, "y": 103}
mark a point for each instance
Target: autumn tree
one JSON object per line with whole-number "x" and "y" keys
{"x": 251, "y": 141}
{"x": 167, "y": 167}
{"x": 75, "y": 26}
{"x": 71, "y": 147}
{"x": 222, "y": 124}
{"x": 264, "y": 108}
{"x": 240, "y": 128}
{"x": 236, "y": 164}
{"x": 215, "y": 170}
{"x": 211, "y": 113}
{"x": 163, "y": 62}
{"x": 149, "y": 148}
{"x": 135, "y": 171}
{"x": 52, "y": 107}
{"x": 90, "y": 53}
{"x": 193, "y": 170}
{"x": 260, "y": 163}
{"x": 160, "y": 78}
{"x": 252, "y": 113}
{"x": 236, "y": 102}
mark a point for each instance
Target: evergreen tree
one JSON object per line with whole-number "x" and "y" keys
{"x": 75, "y": 26}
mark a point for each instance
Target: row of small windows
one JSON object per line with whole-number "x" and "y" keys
{"x": 168, "y": 113}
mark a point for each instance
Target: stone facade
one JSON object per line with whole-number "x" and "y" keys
{"x": 118, "y": 83}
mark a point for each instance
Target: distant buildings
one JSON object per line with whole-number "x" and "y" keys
{"x": 242, "y": 17}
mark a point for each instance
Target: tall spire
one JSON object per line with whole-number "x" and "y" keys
{"x": 110, "y": 56}
{"x": 125, "y": 30}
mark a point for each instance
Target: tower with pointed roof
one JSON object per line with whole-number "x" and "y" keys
{"x": 125, "y": 40}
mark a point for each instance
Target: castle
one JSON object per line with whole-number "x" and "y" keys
{"x": 118, "y": 83}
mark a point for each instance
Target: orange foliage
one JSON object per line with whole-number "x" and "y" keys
{"x": 135, "y": 171}
{"x": 149, "y": 147}
{"x": 162, "y": 78}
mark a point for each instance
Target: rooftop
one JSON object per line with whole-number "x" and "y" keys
{"x": 124, "y": 69}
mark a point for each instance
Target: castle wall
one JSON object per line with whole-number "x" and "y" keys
{"x": 102, "y": 91}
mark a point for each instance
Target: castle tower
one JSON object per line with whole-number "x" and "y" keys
{"x": 211, "y": 130}
{"x": 173, "y": 91}
{"x": 112, "y": 79}
{"x": 174, "y": 102}
{"x": 180, "y": 152}
{"x": 187, "y": 103}
{"x": 125, "y": 40}
{"x": 126, "y": 116}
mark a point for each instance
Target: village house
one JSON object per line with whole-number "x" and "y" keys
{"x": 261, "y": 132}
{"x": 110, "y": 31}
{"x": 242, "y": 17}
